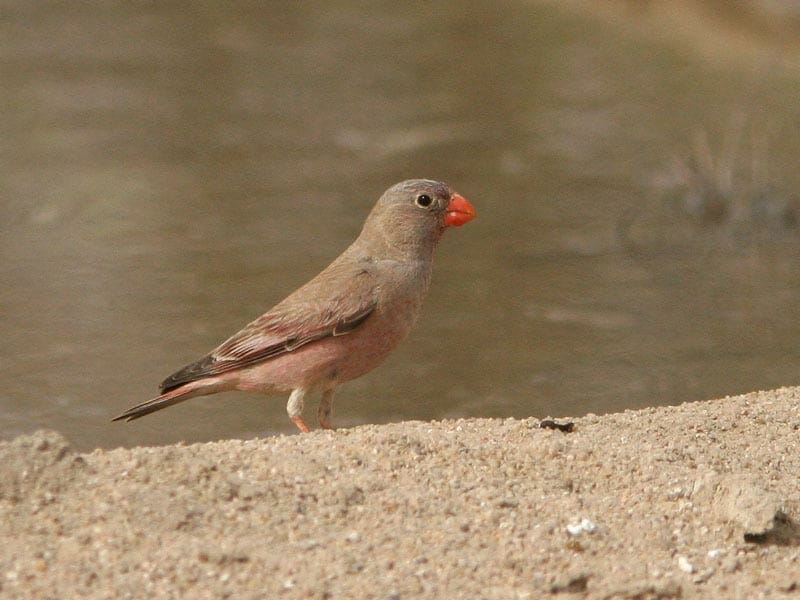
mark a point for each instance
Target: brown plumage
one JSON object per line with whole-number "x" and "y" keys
{"x": 342, "y": 323}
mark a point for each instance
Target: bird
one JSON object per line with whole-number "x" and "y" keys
{"x": 342, "y": 323}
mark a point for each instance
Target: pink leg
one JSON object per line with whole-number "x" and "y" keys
{"x": 301, "y": 424}
{"x": 326, "y": 410}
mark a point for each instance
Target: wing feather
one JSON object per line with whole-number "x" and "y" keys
{"x": 334, "y": 303}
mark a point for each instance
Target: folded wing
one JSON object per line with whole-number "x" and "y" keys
{"x": 334, "y": 303}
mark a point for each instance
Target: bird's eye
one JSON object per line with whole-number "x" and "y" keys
{"x": 424, "y": 200}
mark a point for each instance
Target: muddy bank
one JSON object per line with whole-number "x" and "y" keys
{"x": 695, "y": 501}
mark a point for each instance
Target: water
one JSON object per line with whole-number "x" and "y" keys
{"x": 171, "y": 171}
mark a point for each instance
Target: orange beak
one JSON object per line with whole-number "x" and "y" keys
{"x": 459, "y": 211}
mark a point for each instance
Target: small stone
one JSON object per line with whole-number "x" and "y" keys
{"x": 685, "y": 566}
{"x": 740, "y": 499}
{"x": 585, "y": 525}
{"x": 353, "y": 536}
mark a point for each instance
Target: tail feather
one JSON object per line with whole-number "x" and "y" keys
{"x": 167, "y": 399}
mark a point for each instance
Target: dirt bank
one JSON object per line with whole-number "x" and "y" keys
{"x": 696, "y": 501}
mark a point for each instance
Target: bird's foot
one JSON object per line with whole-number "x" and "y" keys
{"x": 301, "y": 424}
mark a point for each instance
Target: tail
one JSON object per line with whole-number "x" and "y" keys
{"x": 189, "y": 390}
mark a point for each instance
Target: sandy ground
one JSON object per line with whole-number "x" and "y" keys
{"x": 695, "y": 501}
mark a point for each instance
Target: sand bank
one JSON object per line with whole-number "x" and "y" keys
{"x": 700, "y": 500}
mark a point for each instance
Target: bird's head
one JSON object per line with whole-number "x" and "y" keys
{"x": 412, "y": 215}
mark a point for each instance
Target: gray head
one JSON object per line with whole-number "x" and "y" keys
{"x": 411, "y": 216}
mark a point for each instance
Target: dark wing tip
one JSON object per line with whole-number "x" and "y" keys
{"x": 191, "y": 372}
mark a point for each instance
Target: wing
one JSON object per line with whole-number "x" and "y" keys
{"x": 334, "y": 303}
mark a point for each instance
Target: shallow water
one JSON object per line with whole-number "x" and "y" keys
{"x": 170, "y": 172}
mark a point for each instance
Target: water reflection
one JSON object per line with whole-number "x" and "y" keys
{"x": 170, "y": 172}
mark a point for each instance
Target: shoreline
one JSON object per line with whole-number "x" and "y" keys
{"x": 700, "y": 500}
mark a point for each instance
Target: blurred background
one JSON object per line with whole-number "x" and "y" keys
{"x": 170, "y": 170}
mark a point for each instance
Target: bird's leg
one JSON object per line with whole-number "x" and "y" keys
{"x": 325, "y": 409}
{"x": 295, "y": 409}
